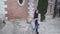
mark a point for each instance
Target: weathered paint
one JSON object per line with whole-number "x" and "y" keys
{"x": 15, "y": 11}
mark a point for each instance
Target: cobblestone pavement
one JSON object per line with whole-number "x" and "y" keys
{"x": 49, "y": 26}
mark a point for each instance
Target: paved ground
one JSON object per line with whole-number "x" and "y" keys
{"x": 1, "y": 24}
{"x": 50, "y": 26}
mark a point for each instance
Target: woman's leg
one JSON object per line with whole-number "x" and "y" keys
{"x": 37, "y": 31}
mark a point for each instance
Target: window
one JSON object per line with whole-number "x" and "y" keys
{"x": 21, "y": 2}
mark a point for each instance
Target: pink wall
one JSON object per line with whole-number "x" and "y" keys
{"x": 15, "y": 11}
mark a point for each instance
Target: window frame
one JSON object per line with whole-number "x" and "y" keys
{"x": 22, "y": 3}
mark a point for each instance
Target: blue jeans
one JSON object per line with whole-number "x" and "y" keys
{"x": 36, "y": 26}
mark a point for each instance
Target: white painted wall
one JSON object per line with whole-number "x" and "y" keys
{"x": 2, "y": 9}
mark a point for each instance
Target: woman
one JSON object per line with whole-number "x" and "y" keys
{"x": 36, "y": 21}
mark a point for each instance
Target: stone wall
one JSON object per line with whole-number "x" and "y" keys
{"x": 50, "y": 9}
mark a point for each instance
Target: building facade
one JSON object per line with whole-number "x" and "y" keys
{"x": 3, "y": 6}
{"x": 51, "y": 4}
{"x": 18, "y": 9}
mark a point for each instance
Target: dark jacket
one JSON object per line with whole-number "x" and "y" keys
{"x": 35, "y": 14}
